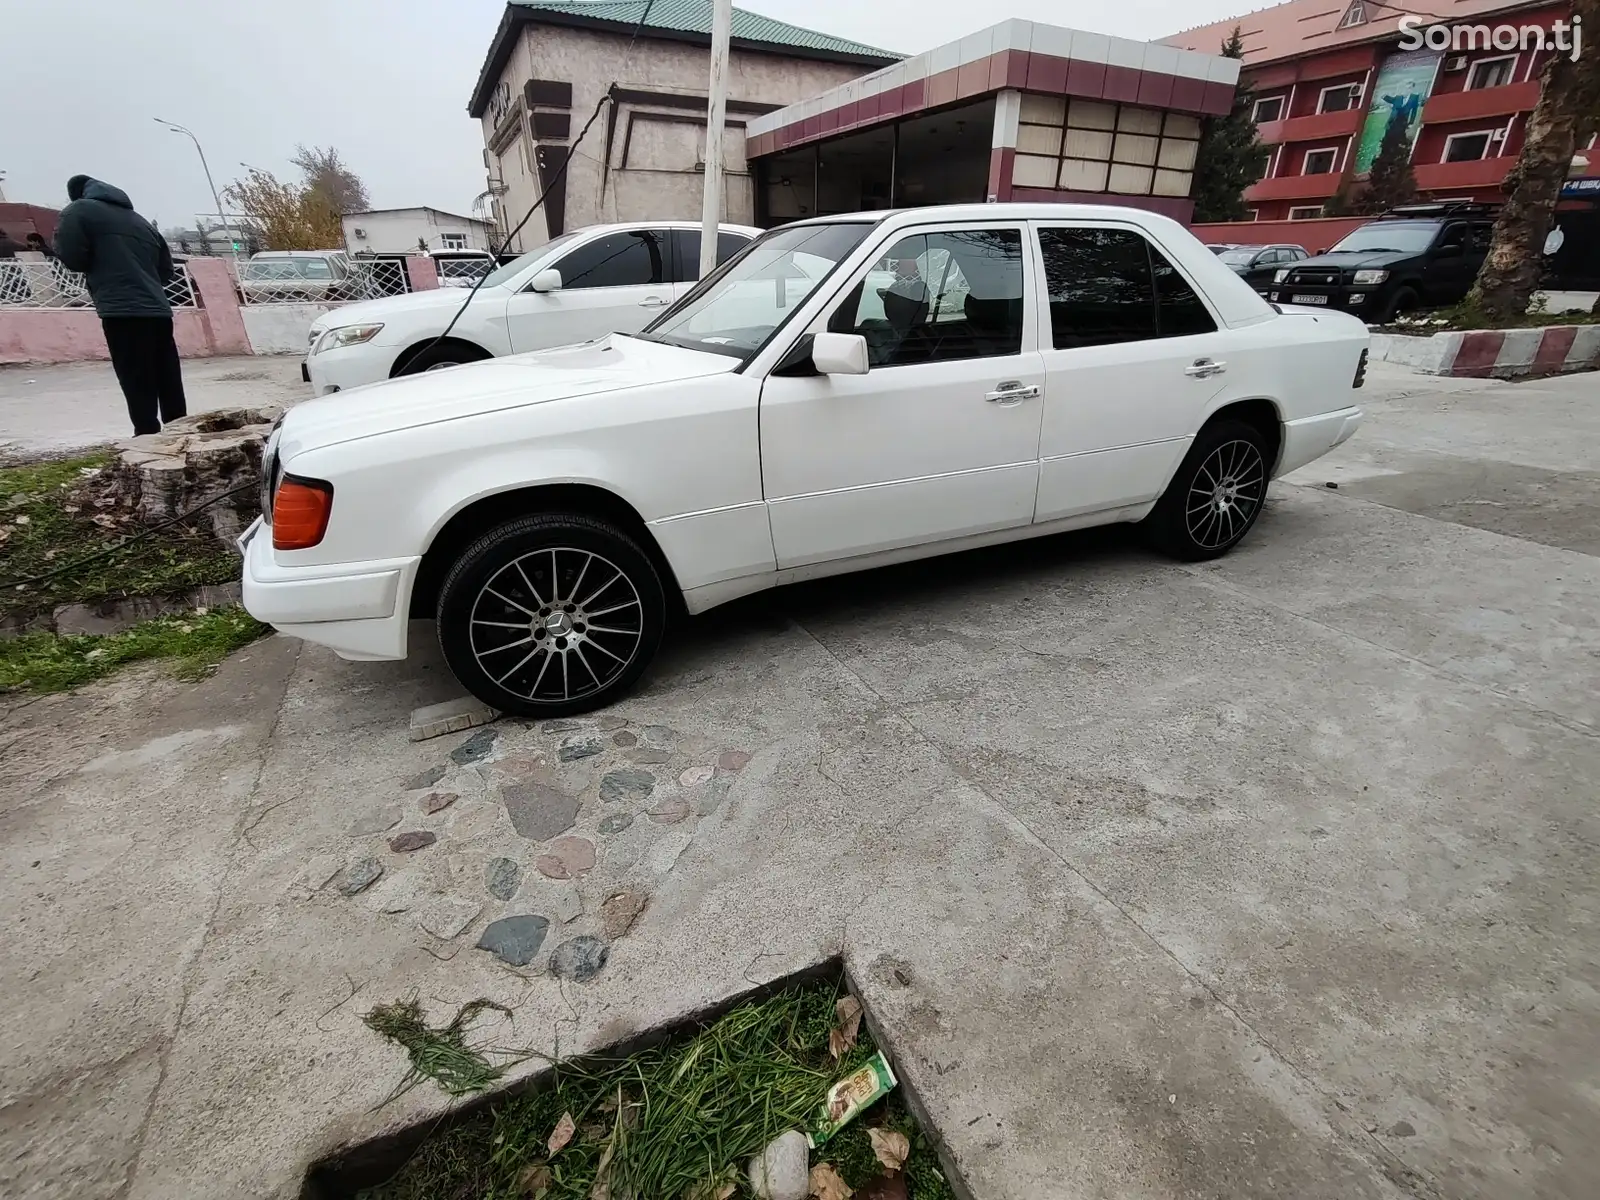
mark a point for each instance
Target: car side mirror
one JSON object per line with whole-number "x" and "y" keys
{"x": 839, "y": 354}
{"x": 1451, "y": 251}
{"x": 547, "y": 280}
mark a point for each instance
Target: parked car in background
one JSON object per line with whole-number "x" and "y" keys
{"x": 462, "y": 268}
{"x": 782, "y": 421}
{"x": 279, "y": 276}
{"x": 1418, "y": 256}
{"x": 582, "y": 285}
{"x": 1256, "y": 265}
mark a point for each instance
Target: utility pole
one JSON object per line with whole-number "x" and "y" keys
{"x": 716, "y": 118}
{"x": 215, "y": 199}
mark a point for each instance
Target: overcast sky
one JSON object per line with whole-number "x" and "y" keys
{"x": 385, "y": 81}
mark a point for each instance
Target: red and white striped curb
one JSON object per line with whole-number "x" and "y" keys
{"x": 1496, "y": 353}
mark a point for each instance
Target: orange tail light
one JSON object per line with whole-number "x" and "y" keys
{"x": 300, "y": 513}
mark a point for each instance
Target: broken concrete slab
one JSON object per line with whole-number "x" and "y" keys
{"x": 452, "y": 716}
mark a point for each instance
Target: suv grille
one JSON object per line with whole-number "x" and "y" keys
{"x": 1316, "y": 275}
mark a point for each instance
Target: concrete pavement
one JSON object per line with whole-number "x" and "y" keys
{"x": 1267, "y": 877}
{"x": 48, "y": 409}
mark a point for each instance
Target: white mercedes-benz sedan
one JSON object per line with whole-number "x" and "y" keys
{"x": 845, "y": 392}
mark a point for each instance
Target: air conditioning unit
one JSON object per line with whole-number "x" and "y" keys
{"x": 1458, "y": 63}
{"x": 359, "y": 232}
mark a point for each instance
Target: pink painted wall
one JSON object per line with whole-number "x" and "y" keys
{"x": 215, "y": 327}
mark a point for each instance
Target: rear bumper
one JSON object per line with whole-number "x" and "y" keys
{"x": 1309, "y": 438}
{"x": 359, "y": 610}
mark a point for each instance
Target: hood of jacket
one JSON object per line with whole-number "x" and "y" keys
{"x": 94, "y": 189}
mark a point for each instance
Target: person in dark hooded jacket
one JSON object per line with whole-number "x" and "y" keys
{"x": 127, "y": 265}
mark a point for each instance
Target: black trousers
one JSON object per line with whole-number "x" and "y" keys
{"x": 145, "y": 357}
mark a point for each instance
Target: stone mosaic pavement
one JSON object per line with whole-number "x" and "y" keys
{"x": 543, "y": 839}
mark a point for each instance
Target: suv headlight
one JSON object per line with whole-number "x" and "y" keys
{"x": 1371, "y": 276}
{"x": 346, "y": 335}
{"x": 1280, "y": 275}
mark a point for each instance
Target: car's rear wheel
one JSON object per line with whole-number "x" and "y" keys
{"x": 551, "y": 615}
{"x": 446, "y": 354}
{"x": 1216, "y": 495}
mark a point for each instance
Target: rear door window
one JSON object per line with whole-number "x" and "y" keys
{"x": 686, "y": 247}
{"x": 1111, "y": 285}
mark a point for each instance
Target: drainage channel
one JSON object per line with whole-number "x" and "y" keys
{"x": 790, "y": 1081}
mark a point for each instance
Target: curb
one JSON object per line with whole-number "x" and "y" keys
{"x": 1494, "y": 353}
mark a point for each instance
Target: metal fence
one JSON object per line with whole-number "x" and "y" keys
{"x": 47, "y": 284}
{"x": 311, "y": 279}
{"x": 462, "y": 272}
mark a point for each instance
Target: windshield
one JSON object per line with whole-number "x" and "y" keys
{"x": 1408, "y": 236}
{"x": 516, "y": 266}
{"x": 736, "y": 309}
{"x": 1237, "y": 258}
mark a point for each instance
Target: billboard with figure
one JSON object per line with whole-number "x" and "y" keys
{"x": 1398, "y": 94}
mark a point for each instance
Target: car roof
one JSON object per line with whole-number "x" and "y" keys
{"x": 294, "y": 254}
{"x": 897, "y": 217}
{"x": 621, "y": 226}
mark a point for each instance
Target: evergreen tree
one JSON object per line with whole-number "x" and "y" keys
{"x": 1346, "y": 200}
{"x": 1231, "y": 156}
{"x": 1390, "y": 182}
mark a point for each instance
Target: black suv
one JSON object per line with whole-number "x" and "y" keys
{"x": 1420, "y": 256}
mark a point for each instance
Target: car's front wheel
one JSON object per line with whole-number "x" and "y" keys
{"x": 551, "y": 615}
{"x": 449, "y": 353}
{"x": 1216, "y": 495}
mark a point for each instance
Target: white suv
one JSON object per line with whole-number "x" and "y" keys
{"x": 604, "y": 279}
{"x": 850, "y": 391}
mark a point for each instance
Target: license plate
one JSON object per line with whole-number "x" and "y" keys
{"x": 1308, "y": 299}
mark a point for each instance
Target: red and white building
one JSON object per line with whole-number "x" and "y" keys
{"x": 1321, "y": 70}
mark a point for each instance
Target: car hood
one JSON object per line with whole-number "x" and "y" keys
{"x": 1355, "y": 260}
{"x": 387, "y": 308}
{"x": 610, "y": 364}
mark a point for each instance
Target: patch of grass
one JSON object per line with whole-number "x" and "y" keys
{"x": 45, "y": 662}
{"x": 669, "y": 1120}
{"x": 442, "y": 1054}
{"x": 49, "y": 519}
{"x": 1463, "y": 316}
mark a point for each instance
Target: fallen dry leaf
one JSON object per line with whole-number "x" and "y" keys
{"x": 891, "y": 1148}
{"x": 534, "y": 1180}
{"x": 843, "y": 1036}
{"x": 825, "y": 1184}
{"x": 562, "y": 1134}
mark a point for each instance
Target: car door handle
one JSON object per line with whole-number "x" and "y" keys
{"x": 1013, "y": 391}
{"x": 652, "y": 302}
{"x": 1205, "y": 368}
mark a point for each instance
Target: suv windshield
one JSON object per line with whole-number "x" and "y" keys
{"x": 738, "y": 307}
{"x": 1411, "y": 237}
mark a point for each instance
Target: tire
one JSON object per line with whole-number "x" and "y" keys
{"x": 498, "y": 614}
{"x": 1404, "y": 300}
{"x": 1216, "y": 495}
{"x": 446, "y": 354}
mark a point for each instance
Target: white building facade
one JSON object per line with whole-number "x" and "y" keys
{"x": 413, "y": 231}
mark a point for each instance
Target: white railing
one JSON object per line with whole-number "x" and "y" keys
{"x": 46, "y": 283}
{"x": 335, "y": 280}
